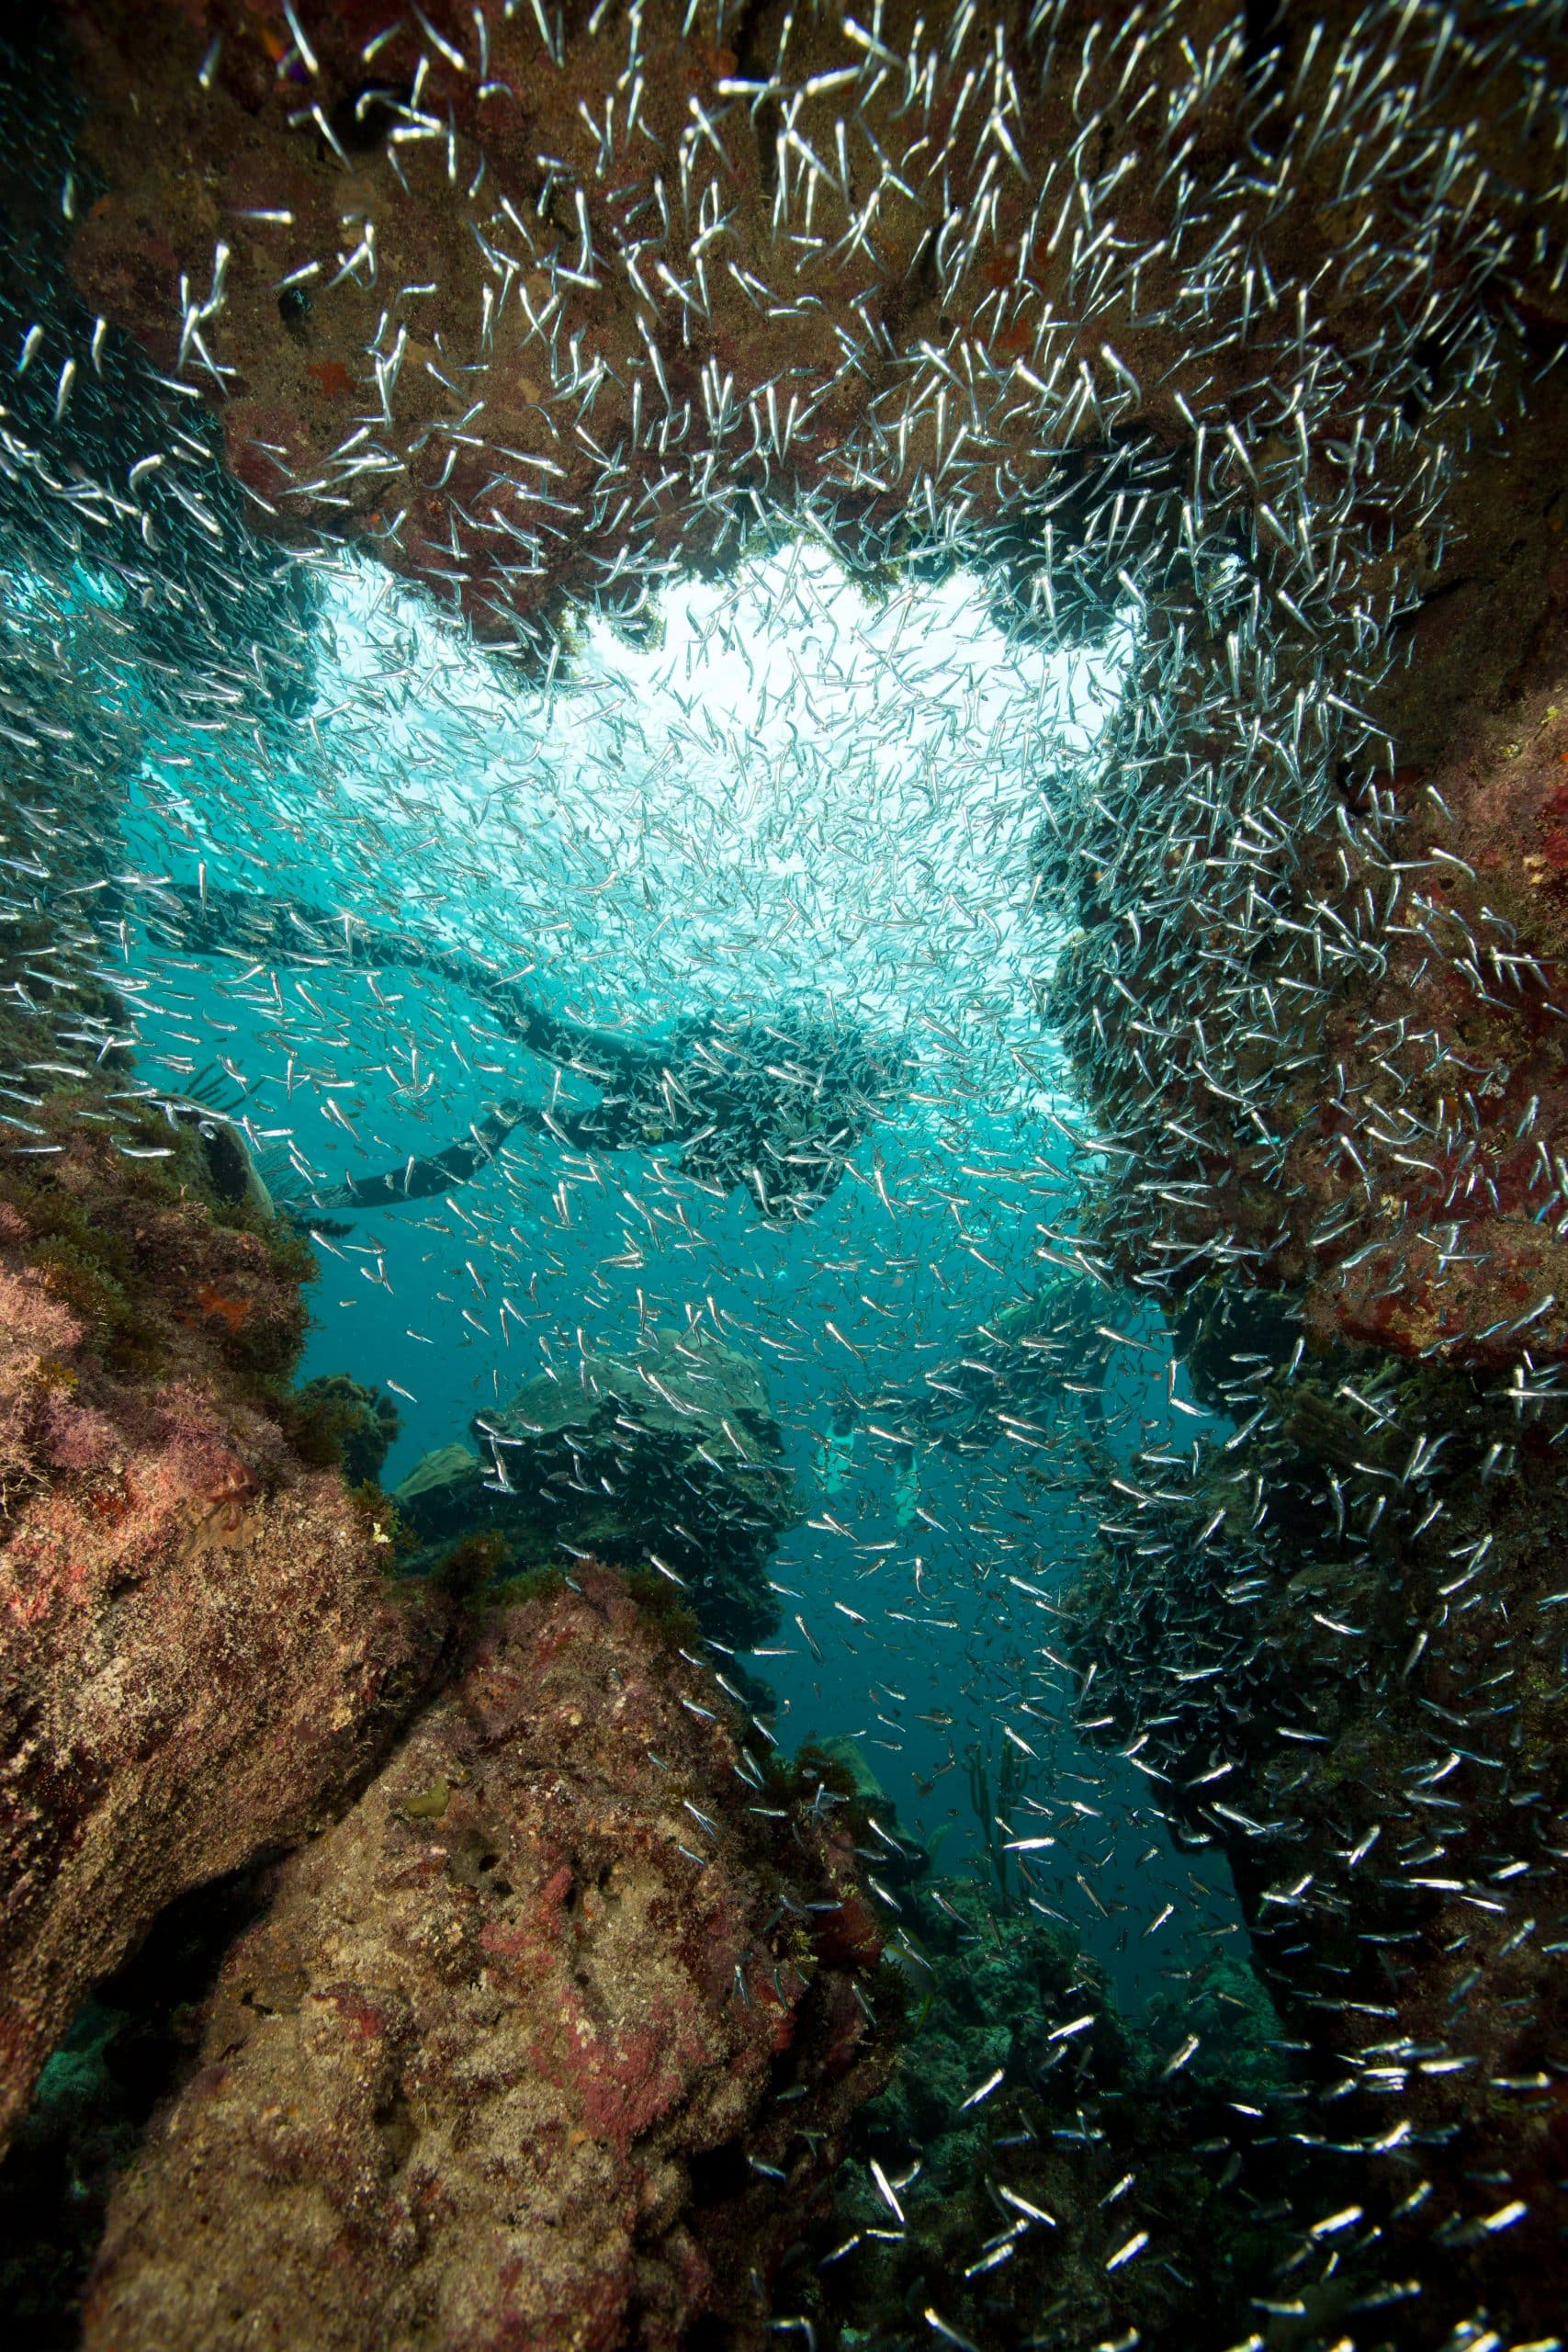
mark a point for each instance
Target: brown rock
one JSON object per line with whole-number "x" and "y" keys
{"x": 1391, "y": 1792}
{"x": 451, "y": 2083}
{"x": 1441, "y": 1189}
{"x": 197, "y": 1648}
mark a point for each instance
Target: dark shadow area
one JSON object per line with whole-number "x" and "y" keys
{"x": 125, "y": 2054}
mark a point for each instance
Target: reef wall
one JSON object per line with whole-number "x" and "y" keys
{"x": 671, "y": 1452}
{"x": 1252, "y": 322}
{"x": 200, "y": 1653}
{"x": 1337, "y": 1646}
{"x": 551, "y": 2041}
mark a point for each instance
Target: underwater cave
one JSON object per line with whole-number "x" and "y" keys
{"x": 783, "y": 1176}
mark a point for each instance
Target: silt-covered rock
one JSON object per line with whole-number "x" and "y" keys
{"x": 518, "y": 2036}
{"x": 196, "y": 1646}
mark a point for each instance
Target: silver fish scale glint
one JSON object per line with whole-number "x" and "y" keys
{"x": 783, "y": 1175}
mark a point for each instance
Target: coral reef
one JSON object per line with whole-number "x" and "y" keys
{"x": 201, "y": 1651}
{"x": 218, "y": 620}
{"x": 339, "y": 1419}
{"x": 1064, "y": 2175}
{"x": 551, "y": 2041}
{"x": 1451, "y": 1060}
{"x": 301, "y": 140}
{"x": 672, "y": 1453}
{"x": 129, "y": 2043}
{"x": 990, "y": 1985}
{"x": 1212, "y": 315}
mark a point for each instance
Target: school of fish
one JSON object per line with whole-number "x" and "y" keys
{"x": 963, "y": 613}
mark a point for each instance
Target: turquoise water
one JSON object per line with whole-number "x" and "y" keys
{"x": 652, "y": 1030}
{"x": 798, "y": 798}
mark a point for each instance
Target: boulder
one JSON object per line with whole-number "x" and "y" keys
{"x": 549, "y": 2041}
{"x": 199, "y": 1653}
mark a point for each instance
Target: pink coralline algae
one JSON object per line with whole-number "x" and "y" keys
{"x": 195, "y": 1644}
{"x": 452, "y": 2084}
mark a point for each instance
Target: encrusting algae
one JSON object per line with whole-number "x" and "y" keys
{"x": 783, "y": 1175}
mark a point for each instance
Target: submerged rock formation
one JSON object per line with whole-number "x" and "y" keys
{"x": 574, "y": 1930}
{"x": 671, "y": 1453}
{"x": 1217, "y": 314}
{"x": 1096, "y": 2192}
{"x": 1450, "y": 1048}
{"x": 200, "y": 1653}
{"x": 551, "y": 2041}
{"x": 345, "y": 1420}
{"x": 129, "y": 2043}
{"x": 782, "y": 200}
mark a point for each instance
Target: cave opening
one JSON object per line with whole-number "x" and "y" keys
{"x": 791, "y": 794}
